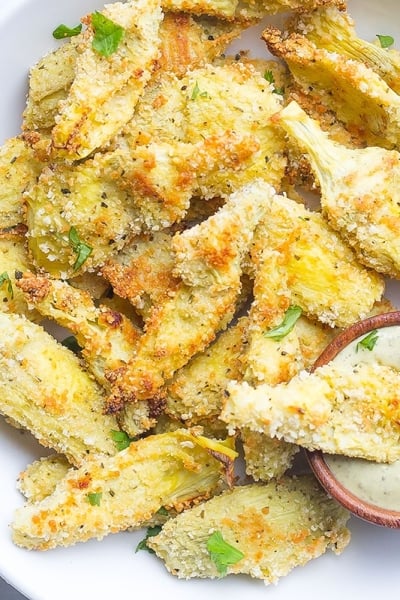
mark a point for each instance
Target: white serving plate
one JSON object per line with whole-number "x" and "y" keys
{"x": 367, "y": 569}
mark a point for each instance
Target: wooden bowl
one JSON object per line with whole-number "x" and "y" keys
{"x": 369, "y": 512}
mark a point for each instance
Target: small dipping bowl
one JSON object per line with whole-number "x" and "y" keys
{"x": 359, "y": 491}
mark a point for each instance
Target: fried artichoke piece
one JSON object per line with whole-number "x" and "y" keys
{"x": 19, "y": 169}
{"x": 204, "y": 135}
{"x": 49, "y": 82}
{"x": 13, "y": 262}
{"x": 107, "y": 338}
{"x": 136, "y": 418}
{"x": 77, "y": 199}
{"x": 324, "y": 276}
{"x": 359, "y": 97}
{"x": 45, "y": 390}
{"x": 359, "y": 193}
{"x": 243, "y": 9}
{"x": 266, "y": 457}
{"x": 275, "y": 527}
{"x": 172, "y": 470}
{"x": 337, "y": 409}
{"x": 189, "y": 41}
{"x": 196, "y": 391}
{"x": 105, "y": 89}
{"x": 186, "y": 42}
{"x": 41, "y": 477}
{"x": 143, "y": 271}
{"x": 209, "y": 259}
{"x": 334, "y": 29}
{"x": 214, "y": 106}
{"x": 163, "y": 177}
{"x": 267, "y": 359}
{"x": 278, "y": 287}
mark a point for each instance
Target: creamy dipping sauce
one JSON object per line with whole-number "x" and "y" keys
{"x": 376, "y": 483}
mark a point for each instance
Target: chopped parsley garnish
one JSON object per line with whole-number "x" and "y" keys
{"x": 151, "y": 531}
{"x": 63, "y": 31}
{"x": 71, "y": 343}
{"x": 292, "y": 314}
{"x": 385, "y": 40}
{"x": 197, "y": 93}
{"x": 82, "y": 250}
{"x": 94, "y": 498}
{"x": 4, "y": 277}
{"x": 121, "y": 439}
{"x": 221, "y": 553}
{"x": 368, "y": 342}
{"x": 107, "y": 34}
{"x": 279, "y": 90}
{"x": 269, "y": 76}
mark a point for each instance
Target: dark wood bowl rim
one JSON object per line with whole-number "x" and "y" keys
{"x": 369, "y": 512}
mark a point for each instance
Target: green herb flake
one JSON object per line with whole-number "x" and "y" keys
{"x": 221, "y": 553}
{"x": 82, "y": 250}
{"x": 121, "y": 439}
{"x": 63, "y": 31}
{"x": 368, "y": 342}
{"x": 94, "y": 498}
{"x": 197, "y": 93}
{"x": 4, "y": 277}
{"x": 162, "y": 512}
{"x": 291, "y": 317}
{"x": 151, "y": 532}
{"x": 107, "y": 34}
{"x": 269, "y": 76}
{"x": 385, "y": 40}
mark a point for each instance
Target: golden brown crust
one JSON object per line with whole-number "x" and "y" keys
{"x": 203, "y": 303}
{"x": 45, "y": 390}
{"x": 172, "y": 470}
{"x": 107, "y": 338}
{"x": 142, "y": 272}
{"x": 338, "y": 409}
{"x": 275, "y": 527}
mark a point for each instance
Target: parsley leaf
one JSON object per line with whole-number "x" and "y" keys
{"x": 5, "y": 277}
{"x": 151, "y": 531}
{"x": 63, "y": 31}
{"x": 385, "y": 40}
{"x": 221, "y": 553}
{"x": 82, "y": 250}
{"x": 368, "y": 342}
{"x": 94, "y": 498}
{"x": 269, "y": 76}
{"x": 197, "y": 93}
{"x": 121, "y": 439}
{"x": 107, "y": 34}
{"x": 292, "y": 314}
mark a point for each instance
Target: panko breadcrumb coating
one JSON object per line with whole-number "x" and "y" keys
{"x": 111, "y": 494}
{"x": 339, "y": 409}
{"x": 359, "y": 191}
{"x": 275, "y": 527}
